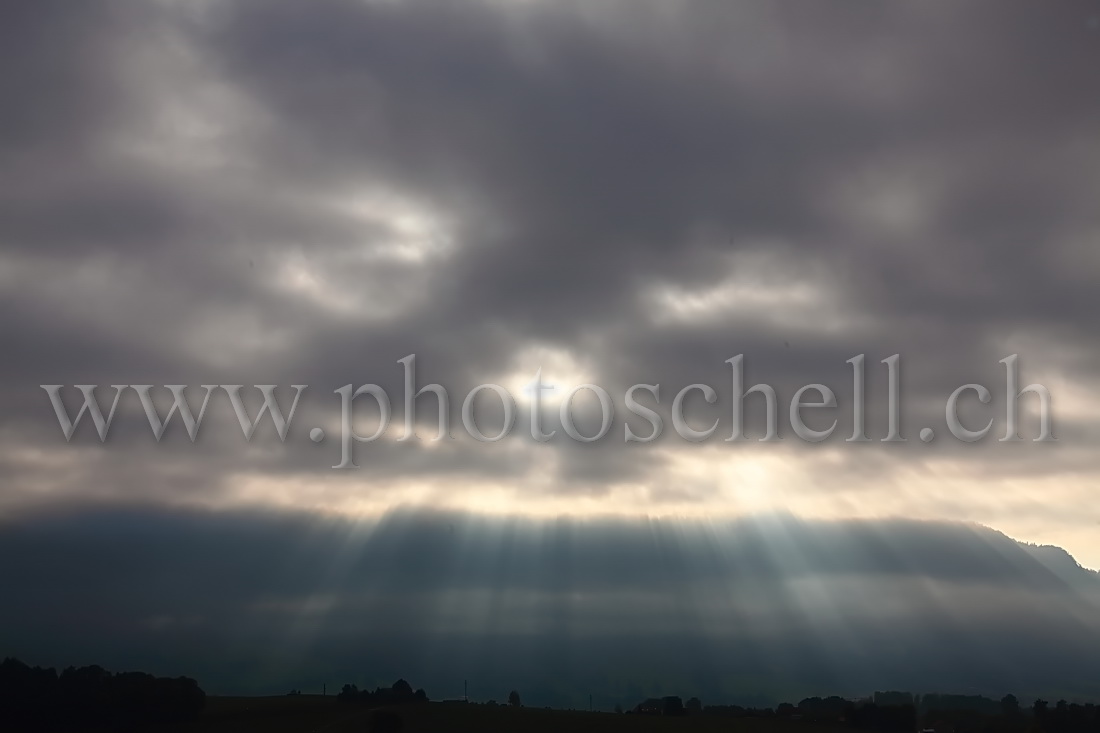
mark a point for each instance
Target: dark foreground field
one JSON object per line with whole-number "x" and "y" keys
{"x": 305, "y": 714}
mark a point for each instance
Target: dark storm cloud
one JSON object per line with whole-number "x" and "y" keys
{"x": 581, "y": 160}
{"x": 429, "y": 595}
{"x": 273, "y": 192}
{"x": 253, "y": 192}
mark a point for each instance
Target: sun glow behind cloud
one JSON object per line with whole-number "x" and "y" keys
{"x": 706, "y": 484}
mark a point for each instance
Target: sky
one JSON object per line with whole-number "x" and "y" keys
{"x": 266, "y": 192}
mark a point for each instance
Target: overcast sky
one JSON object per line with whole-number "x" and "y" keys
{"x": 273, "y": 192}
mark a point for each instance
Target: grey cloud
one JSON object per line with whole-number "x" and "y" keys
{"x": 179, "y": 206}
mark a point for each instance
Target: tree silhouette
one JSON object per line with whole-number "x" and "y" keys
{"x": 673, "y": 705}
{"x": 513, "y": 699}
{"x": 92, "y": 697}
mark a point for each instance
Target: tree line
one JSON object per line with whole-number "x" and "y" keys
{"x": 903, "y": 712}
{"x": 397, "y": 693}
{"x": 38, "y": 699}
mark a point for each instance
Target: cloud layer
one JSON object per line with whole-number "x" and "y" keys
{"x": 762, "y": 609}
{"x": 269, "y": 192}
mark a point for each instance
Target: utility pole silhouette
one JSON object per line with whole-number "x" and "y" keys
{"x": 465, "y": 692}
